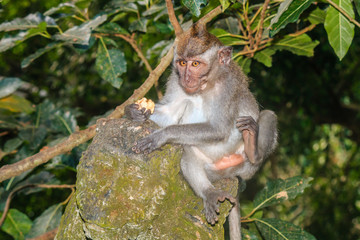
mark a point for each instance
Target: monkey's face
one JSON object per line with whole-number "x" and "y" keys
{"x": 192, "y": 74}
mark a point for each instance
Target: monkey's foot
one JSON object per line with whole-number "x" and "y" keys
{"x": 211, "y": 203}
{"x": 229, "y": 161}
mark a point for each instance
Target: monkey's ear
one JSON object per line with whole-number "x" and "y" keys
{"x": 225, "y": 55}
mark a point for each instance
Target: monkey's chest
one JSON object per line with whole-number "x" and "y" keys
{"x": 193, "y": 112}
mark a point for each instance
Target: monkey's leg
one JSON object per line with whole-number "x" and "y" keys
{"x": 192, "y": 166}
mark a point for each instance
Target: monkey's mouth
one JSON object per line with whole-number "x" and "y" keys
{"x": 196, "y": 88}
{"x": 189, "y": 89}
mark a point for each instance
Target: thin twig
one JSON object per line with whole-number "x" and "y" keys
{"x": 337, "y": 7}
{"x": 8, "y": 200}
{"x": 302, "y": 31}
{"x": 255, "y": 16}
{"x": 172, "y": 17}
{"x": 249, "y": 51}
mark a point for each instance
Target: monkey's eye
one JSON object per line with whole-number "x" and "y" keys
{"x": 195, "y": 63}
{"x": 182, "y": 63}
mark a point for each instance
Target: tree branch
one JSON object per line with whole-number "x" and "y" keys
{"x": 83, "y": 136}
{"x": 172, "y": 17}
{"x": 261, "y": 24}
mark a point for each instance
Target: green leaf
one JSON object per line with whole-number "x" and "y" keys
{"x": 288, "y": 12}
{"x": 16, "y": 224}
{"x": 60, "y": 7}
{"x": 163, "y": 28}
{"x": 154, "y": 9}
{"x": 339, "y": 30}
{"x": 38, "y": 137}
{"x": 275, "y": 229}
{"x": 29, "y": 59}
{"x": 122, "y": 6}
{"x": 110, "y": 64}
{"x": 12, "y": 144}
{"x": 225, "y": 4}
{"x": 265, "y": 56}
{"x": 16, "y": 103}
{"x": 301, "y": 45}
{"x": 47, "y": 221}
{"x": 159, "y": 49}
{"x": 30, "y": 21}
{"x": 8, "y": 42}
{"x": 83, "y": 4}
{"x": 357, "y": 5}
{"x": 317, "y": 16}
{"x": 249, "y": 235}
{"x": 279, "y": 190}
{"x": 111, "y": 27}
{"x": 244, "y": 63}
{"x": 9, "y": 86}
{"x": 64, "y": 121}
{"x": 81, "y": 34}
{"x": 194, "y": 6}
{"x": 138, "y": 25}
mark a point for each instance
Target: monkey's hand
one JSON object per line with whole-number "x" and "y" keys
{"x": 136, "y": 113}
{"x": 149, "y": 143}
{"x": 250, "y": 130}
{"x": 211, "y": 203}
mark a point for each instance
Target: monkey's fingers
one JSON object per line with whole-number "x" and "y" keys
{"x": 211, "y": 211}
{"x": 145, "y": 145}
{"x": 247, "y": 124}
{"x": 146, "y": 112}
{"x": 246, "y": 120}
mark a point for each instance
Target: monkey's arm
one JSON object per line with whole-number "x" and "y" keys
{"x": 188, "y": 134}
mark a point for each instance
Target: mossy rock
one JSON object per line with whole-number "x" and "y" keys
{"x": 123, "y": 195}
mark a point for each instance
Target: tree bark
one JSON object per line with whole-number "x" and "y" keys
{"x": 123, "y": 195}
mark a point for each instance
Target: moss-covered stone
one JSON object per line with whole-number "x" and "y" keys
{"x": 122, "y": 195}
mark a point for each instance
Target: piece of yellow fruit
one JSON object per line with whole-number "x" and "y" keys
{"x": 146, "y": 103}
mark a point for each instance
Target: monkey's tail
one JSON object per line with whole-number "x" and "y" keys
{"x": 235, "y": 221}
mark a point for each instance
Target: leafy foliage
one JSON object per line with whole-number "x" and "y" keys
{"x": 16, "y": 224}
{"x": 289, "y": 11}
{"x": 277, "y": 229}
{"x": 55, "y": 56}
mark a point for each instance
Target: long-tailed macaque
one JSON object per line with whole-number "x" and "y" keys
{"x": 209, "y": 109}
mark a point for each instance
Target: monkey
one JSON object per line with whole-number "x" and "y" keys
{"x": 209, "y": 109}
